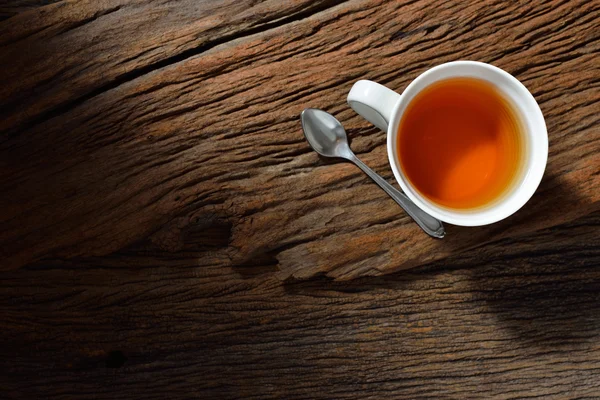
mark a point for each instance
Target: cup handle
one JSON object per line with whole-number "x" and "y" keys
{"x": 374, "y": 102}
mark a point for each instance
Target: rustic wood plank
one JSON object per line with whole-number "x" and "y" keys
{"x": 518, "y": 318}
{"x": 194, "y": 119}
{"x": 102, "y": 44}
{"x": 155, "y": 188}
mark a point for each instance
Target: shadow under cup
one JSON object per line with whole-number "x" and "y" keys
{"x": 437, "y": 156}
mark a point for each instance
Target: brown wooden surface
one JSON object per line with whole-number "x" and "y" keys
{"x": 157, "y": 200}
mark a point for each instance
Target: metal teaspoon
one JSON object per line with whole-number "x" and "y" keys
{"x": 327, "y": 137}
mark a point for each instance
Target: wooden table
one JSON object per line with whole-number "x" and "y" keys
{"x": 166, "y": 232}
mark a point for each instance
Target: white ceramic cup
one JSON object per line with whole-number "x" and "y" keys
{"x": 384, "y": 108}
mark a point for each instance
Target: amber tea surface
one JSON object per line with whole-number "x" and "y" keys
{"x": 461, "y": 143}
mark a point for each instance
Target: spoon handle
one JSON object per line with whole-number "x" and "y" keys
{"x": 432, "y": 226}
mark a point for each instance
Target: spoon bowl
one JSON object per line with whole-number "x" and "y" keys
{"x": 325, "y": 133}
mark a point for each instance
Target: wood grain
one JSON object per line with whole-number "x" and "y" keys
{"x": 518, "y": 318}
{"x": 200, "y": 121}
{"x": 158, "y": 203}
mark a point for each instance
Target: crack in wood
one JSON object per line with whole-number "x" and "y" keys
{"x": 169, "y": 61}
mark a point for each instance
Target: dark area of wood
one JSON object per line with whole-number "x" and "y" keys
{"x": 9, "y": 8}
{"x": 517, "y": 318}
{"x": 158, "y": 203}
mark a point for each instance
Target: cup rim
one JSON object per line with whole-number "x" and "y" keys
{"x": 532, "y": 175}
